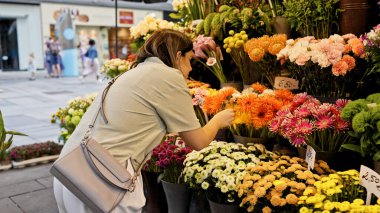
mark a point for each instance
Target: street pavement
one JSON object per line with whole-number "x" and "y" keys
{"x": 27, "y": 107}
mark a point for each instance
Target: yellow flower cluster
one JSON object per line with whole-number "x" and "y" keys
{"x": 278, "y": 184}
{"x": 258, "y": 47}
{"x": 338, "y": 192}
{"x": 235, "y": 40}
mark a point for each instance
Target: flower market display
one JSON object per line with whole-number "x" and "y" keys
{"x": 70, "y": 116}
{"x": 277, "y": 185}
{"x": 219, "y": 168}
{"x": 333, "y": 109}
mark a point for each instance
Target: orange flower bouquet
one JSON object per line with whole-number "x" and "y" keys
{"x": 262, "y": 51}
{"x": 254, "y": 109}
{"x": 198, "y": 92}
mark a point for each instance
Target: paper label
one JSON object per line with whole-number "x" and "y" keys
{"x": 371, "y": 181}
{"x": 310, "y": 157}
{"x": 285, "y": 83}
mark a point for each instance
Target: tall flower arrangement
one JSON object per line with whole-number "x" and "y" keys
{"x": 325, "y": 67}
{"x": 219, "y": 168}
{"x": 307, "y": 121}
{"x": 206, "y": 49}
{"x": 144, "y": 29}
{"x": 190, "y": 10}
{"x": 371, "y": 41}
{"x": 262, "y": 51}
{"x": 277, "y": 185}
{"x": 233, "y": 45}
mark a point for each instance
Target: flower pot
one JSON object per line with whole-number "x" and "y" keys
{"x": 5, "y": 165}
{"x": 281, "y": 25}
{"x": 154, "y": 193}
{"x": 177, "y": 197}
{"x": 199, "y": 203}
{"x": 247, "y": 141}
{"x": 354, "y": 17}
{"x": 235, "y": 84}
{"x": 217, "y": 207}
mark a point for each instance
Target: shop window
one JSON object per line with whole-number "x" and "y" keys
{"x": 9, "y": 59}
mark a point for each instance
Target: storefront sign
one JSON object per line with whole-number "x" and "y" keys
{"x": 126, "y": 17}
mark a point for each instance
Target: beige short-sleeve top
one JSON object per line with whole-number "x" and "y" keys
{"x": 141, "y": 106}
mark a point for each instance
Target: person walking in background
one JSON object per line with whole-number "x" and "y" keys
{"x": 91, "y": 63}
{"x": 124, "y": 51}
{"x": 48, "y": 58}
{"x": 56, "y": 62}
{"x": 32, "y": 67}
{"x": 82, "y": 53}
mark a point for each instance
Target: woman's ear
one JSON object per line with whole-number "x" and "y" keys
{"x": 178, "y": 55}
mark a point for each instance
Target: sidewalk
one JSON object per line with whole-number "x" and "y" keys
{"x": 26, "y": 107}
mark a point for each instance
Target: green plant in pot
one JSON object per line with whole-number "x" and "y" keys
{"x": 6, "y": 142}
{"x": 365, "y": 117}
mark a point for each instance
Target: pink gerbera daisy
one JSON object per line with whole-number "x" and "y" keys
{"x": 324, "y": 122}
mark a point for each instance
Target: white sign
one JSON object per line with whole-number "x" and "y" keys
{"x": 310, "y": 157}
{"x": 285, "y": 83}
{"x": 371, "y": 181}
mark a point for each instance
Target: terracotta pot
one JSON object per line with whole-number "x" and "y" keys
{"x": 281, "y": 25}
{"x": 235, "y": 84}
{"x": 154, "y": 194}
{"x": 217, "y": 207}
{"x": 249, "y": 141}
{"x": 177, "y": 197}
{"x": 354, "y": 17}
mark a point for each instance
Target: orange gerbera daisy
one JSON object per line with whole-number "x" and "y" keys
{"x": 227, "y": 92}
{"x": 245, "y": 102}
{"x": 261, "y": 115}
{"x": 259, "y": 87}
{"x": 213, "y": 104}
{"x": 284, "y": 95}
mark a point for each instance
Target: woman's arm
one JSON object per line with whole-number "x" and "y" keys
{"x": 202, "y": 137}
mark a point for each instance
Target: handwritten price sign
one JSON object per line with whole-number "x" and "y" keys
{"x": 310, "y": 157}
{"x": 371, "y": 181}
{"x": 285, "y": 83}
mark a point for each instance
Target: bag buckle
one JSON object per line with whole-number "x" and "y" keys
{"x": 132, "y": 187}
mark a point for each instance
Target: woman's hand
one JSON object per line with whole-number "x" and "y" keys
{"x": 224, "y": 118}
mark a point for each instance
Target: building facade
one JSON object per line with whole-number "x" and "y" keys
{"x": 25, "y": 26}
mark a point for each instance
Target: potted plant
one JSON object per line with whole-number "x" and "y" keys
{"x": 170, "y": 156}
{"x": 365, "y": 117}
{"x": 219, "y": 168}
{"x": 5, "y": 143}
{"x": 70, "y": 116}
{"x": 308, "y": 122}
{"x": 278, "y": 185}
{"x": 32, "y": 154}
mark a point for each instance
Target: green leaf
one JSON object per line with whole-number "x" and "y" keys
{"x": 2, "y": 130}
{"x": 15, "y": 133}
{"x": 376, "y": 157}
{"x": 352, "y": 147}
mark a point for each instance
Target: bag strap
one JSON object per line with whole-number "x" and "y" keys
{"x": 132, "y": 186}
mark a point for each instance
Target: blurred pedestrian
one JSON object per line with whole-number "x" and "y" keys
{"x": 124, "y": 51}
{"x": 32, "y": 67}
{"x": 48, "y": 56}
{"x": 56, "y": 62}
{"x": 82, "y": 52}
{"x": 91, "y": 64}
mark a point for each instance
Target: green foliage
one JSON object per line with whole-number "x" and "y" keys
{"x": 4, "y": 143}
{"x": 312, "y": 18}
{"x": 365, "y": 116}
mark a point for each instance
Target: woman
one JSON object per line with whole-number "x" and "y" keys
{"x": 143, "y": 105}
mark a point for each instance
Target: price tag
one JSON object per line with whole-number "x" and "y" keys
{"x": 285, "y": 83}
{"x": 371, "y": 181}
{"x": 310, "y": 157}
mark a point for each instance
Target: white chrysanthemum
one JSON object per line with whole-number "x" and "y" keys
{"x": 224, "y": 188}
{"x": 216, "y": 173}
{"x": 189, "y": 172}
{"x": 222, "y": 177}
{"x": 205, "y": 185}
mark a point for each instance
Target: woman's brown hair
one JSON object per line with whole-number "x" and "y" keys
{"x": 164, "y": 44}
